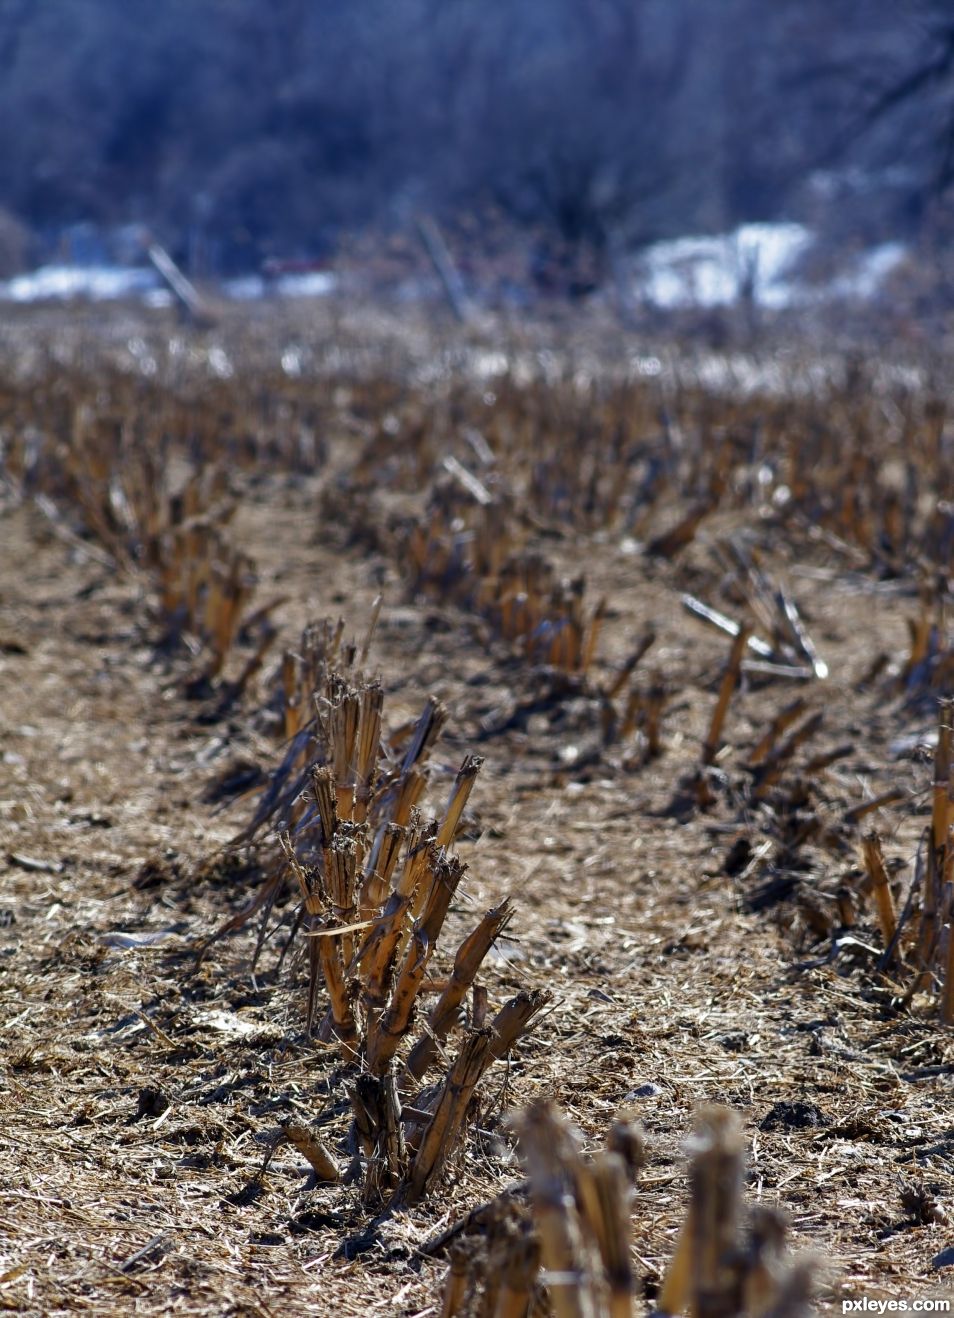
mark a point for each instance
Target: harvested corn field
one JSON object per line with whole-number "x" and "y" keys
{"x": 476, "y": 817}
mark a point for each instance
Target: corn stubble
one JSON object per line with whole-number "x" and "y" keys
{"x": 147, "y": 474}
{"x": 377, "y": 881}
{"x": 563, "y": 1248}
{"x": 919, "y": 941}
{"x": 342, "y": 816}
{"x": 471, "y": 551}
{"x": 729, "y": 1261}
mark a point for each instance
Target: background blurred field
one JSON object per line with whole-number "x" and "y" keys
{"x": 476, "y": 768}
{"x": 532, "y": 507}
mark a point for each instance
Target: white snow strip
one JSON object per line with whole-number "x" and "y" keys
{"x": 61, "y": 283}
{"x": 716, "y": 271}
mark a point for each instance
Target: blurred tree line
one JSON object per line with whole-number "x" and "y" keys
{"x": 272, "y": 128}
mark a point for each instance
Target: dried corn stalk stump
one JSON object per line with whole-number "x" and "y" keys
{"x": 560, "y": 1245}
{"x": 377, "y": 881}
{"x": 729, "y": 1260}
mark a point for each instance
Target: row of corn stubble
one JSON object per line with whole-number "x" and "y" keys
{"x": 340, "y": 816}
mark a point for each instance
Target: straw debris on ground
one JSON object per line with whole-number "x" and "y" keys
{"x": 353, "y": 966}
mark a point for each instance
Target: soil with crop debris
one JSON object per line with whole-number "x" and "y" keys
{"x": 703, "y": 940}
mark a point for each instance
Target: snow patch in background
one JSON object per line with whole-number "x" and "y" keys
{"x": 869, "y": 271}
{"x": 756, "y": 259}
{"x": 95, "y": 283}
{"x": 314, "y": 283}
{"x": 106, "y": 283}
{"x": 317, "y": 283}
{"x": 246, "y": 288}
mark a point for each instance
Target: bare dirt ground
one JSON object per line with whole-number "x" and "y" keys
{"x": 140, "y": 1093}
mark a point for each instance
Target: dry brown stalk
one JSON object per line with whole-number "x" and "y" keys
{"x": 729, "y": 682}
{"x": 341, "y": 732}
{"x": 460, "y": 794}
{"x": 409, "y": 790}
{"x": 941, "y": 815}
{"x": 592, "y": 636}
{"x": 644, "y": 713}
{"x": 369, "y": 743}
{"x": 377, "y": 1121}
{"x": 443, "y": 1129}
{"x": 677, "y": 537}
{"x": 381, "y": 865}
{"x": 493, "y": 1281}
{"x": 772, "y": 768}
{"x": 323, "y": 785}
{"x": 418, "y": 855}
{"x": 728, "y": 1262}
{"x": 426, "y": 731}
{"x": 874, "y": 865}
{"x": 941, "y": 854}
{"x": 455, "y": 1282}
{"x": 626, "y": 671}
{"x": 576, "y": 1225}
{"x": 676, "y": 1289}
{"x": 434, "y": 899}
{"x": 343, "y": 1025}
{"x": 920, "y": 633}
{"x": 424, "y": 889}
{"x": 386, "y": 1031}
{"x": 467, "y": 962}
{"x": 654, "y": 705}
{"x": 765, "y": 1267}
{"x": 716, "y": 1178}
{"x": 604, "y": 1191}
{"x": 311, "y": 1147}
{"x": 827, "y": 758}
{"x": 627, "y": 1140}
{"x": 794, "y": 1293}
{"x": 858, "y": 812}
{"x": 372, "y": 628}
{"x": 341, "y": 865}
{"x": 513, "y": 1018}
{"x": 293, "y": 711}
{"x": 552, "y": 1160}
{"x": 947, "y": 997}
{"x": 781, "y": 723}
{"x": 487, "y": 572}
{"x": 313, "y": 904}
{"x": 521, "y": 1263}
{"x": 377, "y": 955}
{"x": 256, "y": 661}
